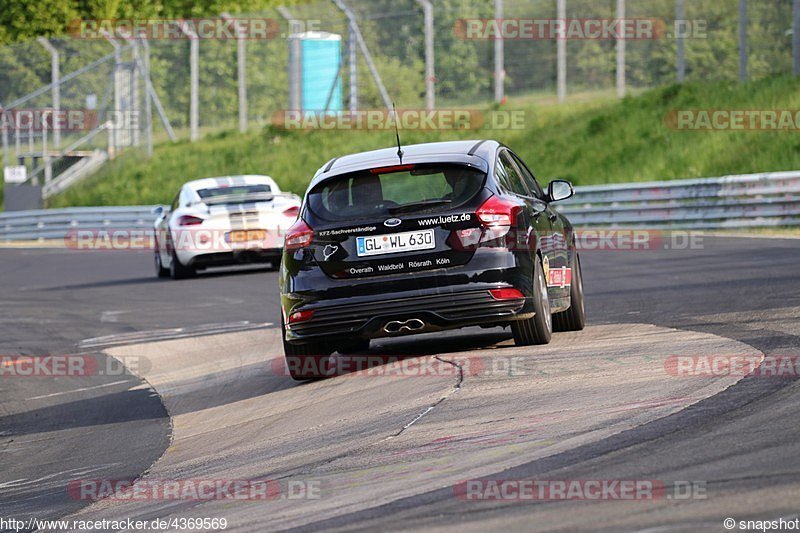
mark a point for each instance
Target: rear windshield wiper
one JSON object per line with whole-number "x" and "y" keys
{"x": 418, "y": 205}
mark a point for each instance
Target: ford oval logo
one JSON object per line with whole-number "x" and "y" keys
{"x": 392, "y": 222}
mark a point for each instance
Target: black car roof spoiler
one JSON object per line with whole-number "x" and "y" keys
{"x": 475, "y": 148}
{"x": 330, "y": 164}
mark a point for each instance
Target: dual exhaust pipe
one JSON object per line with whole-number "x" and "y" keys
{"x": 397, "y": 326}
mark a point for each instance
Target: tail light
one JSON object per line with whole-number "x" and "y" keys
{"x": 299, "y": 236}
{"x": 497, "y": 211}
{"x": 292, "y": 212}
{"x": 506, "y": 294}
{"x": 188, "y": 220}
{"x": 497, "y": 216}
{"x": 301, "y": 316}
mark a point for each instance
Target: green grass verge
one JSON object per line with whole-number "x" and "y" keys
{"x": 589, "y": 141}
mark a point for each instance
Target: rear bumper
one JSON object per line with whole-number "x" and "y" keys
{"x": 365, "y": 317}
{"x": 238, "y": 257}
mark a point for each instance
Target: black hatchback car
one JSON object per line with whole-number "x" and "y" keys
{"x": 449, "y": 235}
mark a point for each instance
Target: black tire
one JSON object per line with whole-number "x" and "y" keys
{"x": 275, "y": 264}
{"x": 178, "y": 271}
{"x": 539, "y": 328}
{"x": 574, "y": 318}
{"x": 303, "y": 360}
{"x": 161, "y": 272}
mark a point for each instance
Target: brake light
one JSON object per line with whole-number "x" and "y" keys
{"x": 390, "y": 170}
{"x": 497, "y": 211}
{"x": 299, "y": 236}
{"x": 301, "y": 316}
{"x": 188, "y": 220}
{"x": 506, "y": 294}
{"x": 292, "y": 212}
{"x": 498, "y": 215}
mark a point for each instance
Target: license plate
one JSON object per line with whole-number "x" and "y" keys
{"x": 250, "y": 235}
{"x": 395, "y": 242}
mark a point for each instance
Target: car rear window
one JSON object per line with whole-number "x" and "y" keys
{"x": 387, "y": 192}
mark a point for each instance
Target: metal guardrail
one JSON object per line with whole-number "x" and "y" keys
{"x": 48, "y": 224}
{"x": 754, "y": 200}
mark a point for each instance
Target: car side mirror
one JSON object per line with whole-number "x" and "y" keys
{"x": 559, "y": 190}
{"x": 158, "y": 210}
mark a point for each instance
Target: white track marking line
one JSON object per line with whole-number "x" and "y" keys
{"x": 78, "y": 390}
{"x": 111, "y": 316}
{"x": 138, "y": 337}
{"x": 12, "y": 484}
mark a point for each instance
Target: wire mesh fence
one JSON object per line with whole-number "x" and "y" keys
{"x": 382, "y": 49}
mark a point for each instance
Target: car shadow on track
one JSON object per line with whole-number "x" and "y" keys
{"x": 271, "y": 376}
{"x": 226, "y": 387}
{"x": 152, "y": 280}
{"x": 117, "y": 407}
{"x": 441, "y": 343}
{"x": 389, "y": 351}
{"x": 198, "y": 394}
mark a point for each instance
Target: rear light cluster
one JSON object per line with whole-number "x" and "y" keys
{"x": 292, "y": 212}
{"x": 506, "y": 294}
{"x": 300, "y": 316}
{"x": 497, "y": 216}
{"x": 188, "y": 220}
{"x": 299, "y": 236}
{"x": 497, "y": 211}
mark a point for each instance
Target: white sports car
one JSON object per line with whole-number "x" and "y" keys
{"x": 222, "y": 222}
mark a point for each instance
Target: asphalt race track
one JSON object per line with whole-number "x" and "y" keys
{"x": 205, "y": 397}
